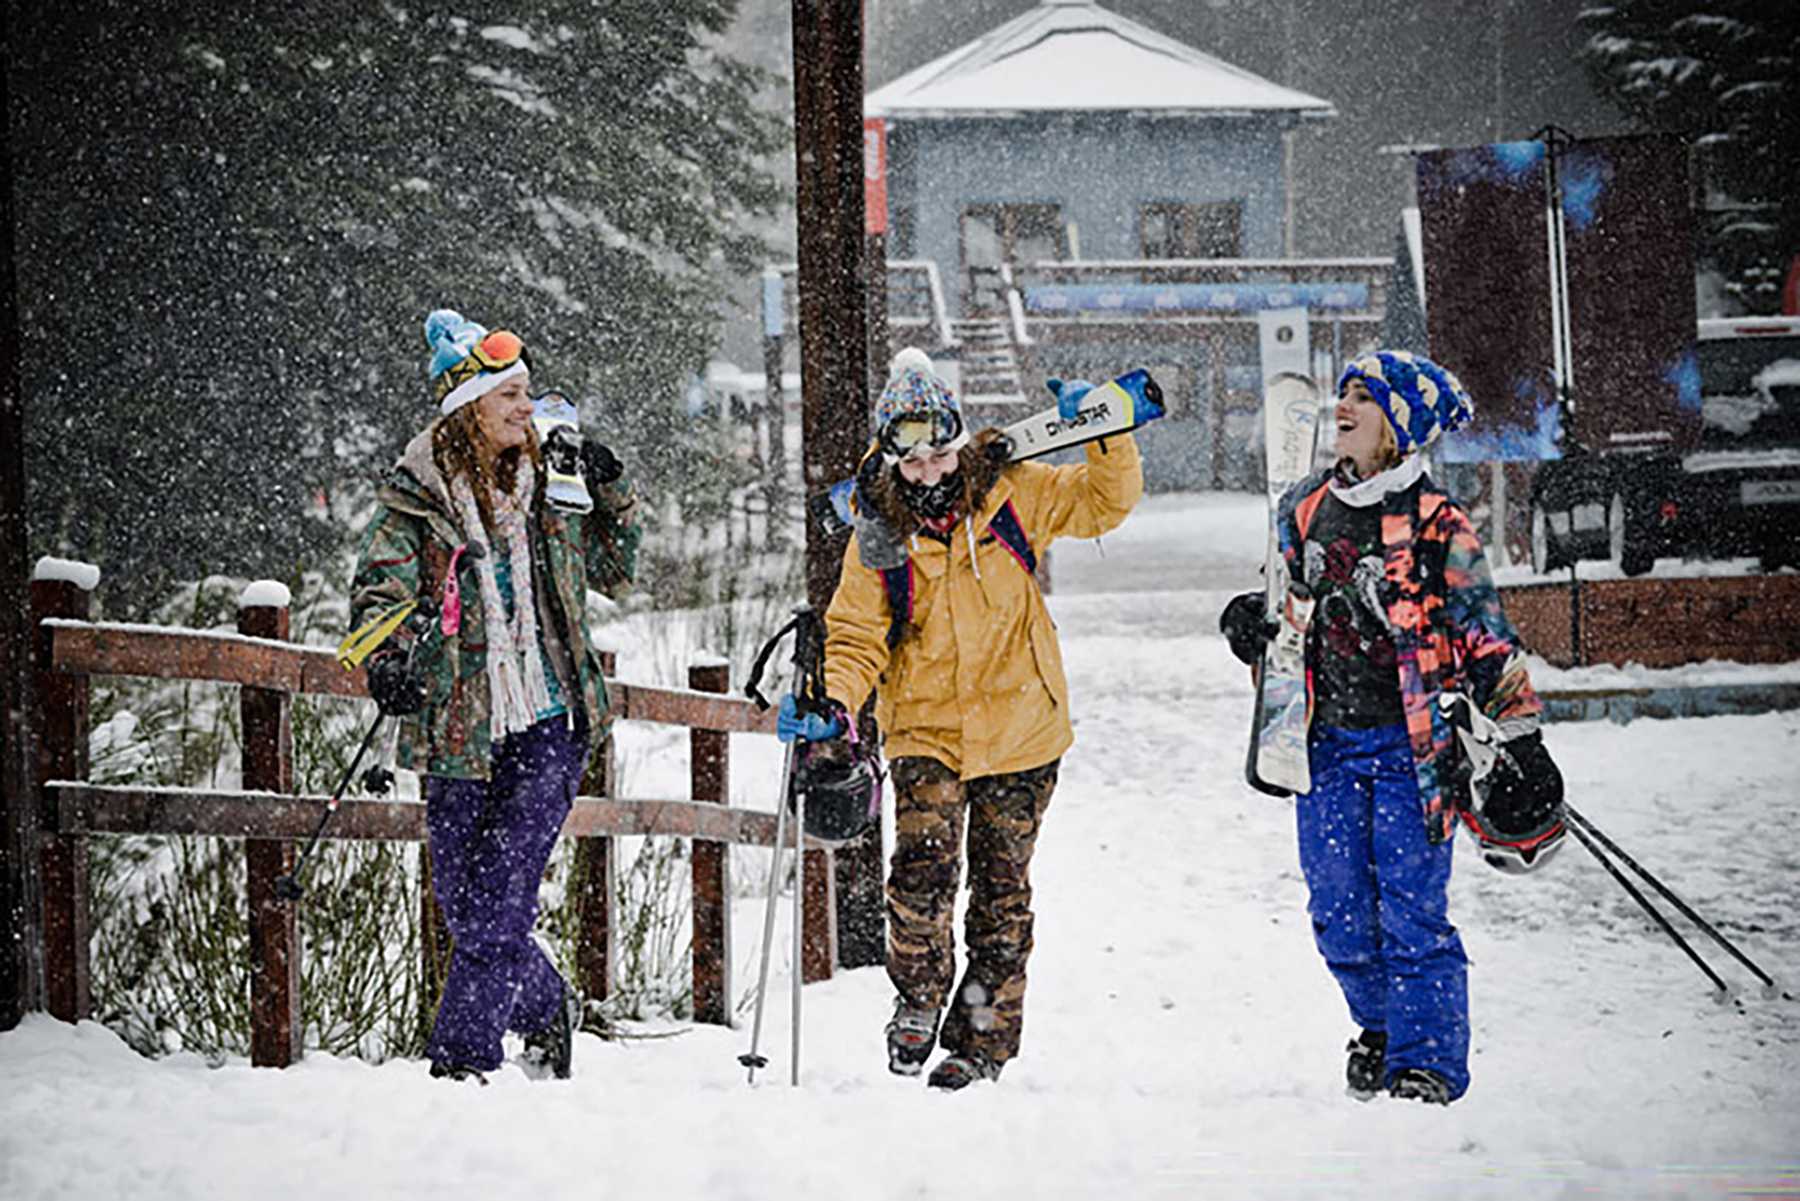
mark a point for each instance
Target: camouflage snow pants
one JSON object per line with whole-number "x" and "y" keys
{"x": 986, "y": 1010}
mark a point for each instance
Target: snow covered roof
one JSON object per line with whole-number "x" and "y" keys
{"x": 1027, "y": 65}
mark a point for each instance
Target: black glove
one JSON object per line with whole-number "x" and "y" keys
{"x": 399, "y": 691}
{"x": 1524, "y": 789}
{"x": 1246, "y": 626}
{"x": 599, "y": 465}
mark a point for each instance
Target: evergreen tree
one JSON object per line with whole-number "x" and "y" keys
{"x": 233, "y": 219}
{"x": 1726, "y": 75}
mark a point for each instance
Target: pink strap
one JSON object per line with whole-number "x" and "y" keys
{"x": 450, "y": 619}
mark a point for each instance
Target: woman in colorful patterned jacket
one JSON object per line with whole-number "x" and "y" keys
{"x": 502, "y": 693}
{"x": 938, "y": 612}
{"x": 1404, "y": 613}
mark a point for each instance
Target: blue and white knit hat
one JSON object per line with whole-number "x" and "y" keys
{"x": 915, "y": 391}
{"x": 462, "y": 368}
{"x": 1422, "y": 401}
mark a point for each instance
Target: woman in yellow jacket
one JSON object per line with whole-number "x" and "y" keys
{"x": 937, "y": 611}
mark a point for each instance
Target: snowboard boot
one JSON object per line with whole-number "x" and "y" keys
{"x": 961, "y": 1070}
{"x": 911, "y": 1034}
{"x": 551, "y": 1050}
{"x": 1420, "y": 1084}
{"x": 1367, "y": 1065}
{"x": 451, "y": 1071}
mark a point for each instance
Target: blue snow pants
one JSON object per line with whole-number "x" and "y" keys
{"x": 1378, "y": 900}
{"x": 490, "y": 840}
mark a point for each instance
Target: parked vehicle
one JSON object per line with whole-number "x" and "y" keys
{"x": 1736, "y": 494}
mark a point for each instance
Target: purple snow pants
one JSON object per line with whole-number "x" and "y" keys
{"x": 490, "y": 840}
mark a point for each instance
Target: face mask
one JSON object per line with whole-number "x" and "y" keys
{"x": 936, "y": 501}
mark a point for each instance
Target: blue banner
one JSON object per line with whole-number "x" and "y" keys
{"x": 1153, "y": 298}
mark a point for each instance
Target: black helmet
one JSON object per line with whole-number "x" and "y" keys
{"x": 1517, "y": 818}
{"x": 842, "y": 785}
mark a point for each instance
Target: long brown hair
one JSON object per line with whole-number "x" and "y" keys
{"x": 456, "y": 444}
{"x": 979, "y": 464}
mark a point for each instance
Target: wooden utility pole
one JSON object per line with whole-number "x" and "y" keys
{"x": 20, "y": 986}
{"x": 833, "y": 287}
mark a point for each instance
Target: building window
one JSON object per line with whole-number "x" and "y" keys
{"x": 1016, "y": 235}
{"x": 1191, "y": 231}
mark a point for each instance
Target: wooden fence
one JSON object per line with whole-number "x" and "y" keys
{"x": 270, "y": 670}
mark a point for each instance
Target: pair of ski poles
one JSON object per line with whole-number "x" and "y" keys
{"x": 1478, "y": 740}
{"x": 1590, "y": 836}
{"x": 809, "y": 658}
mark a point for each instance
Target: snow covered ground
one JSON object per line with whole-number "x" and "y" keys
{"x": 1182, "y": 1038}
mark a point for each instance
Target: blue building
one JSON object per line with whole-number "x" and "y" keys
{"x": 1074, "y": 132}
{"x": 1074, "y": 193}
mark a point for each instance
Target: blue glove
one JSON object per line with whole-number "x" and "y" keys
{"x": 811, "y": 727}
{"x": 1068, "y": 396}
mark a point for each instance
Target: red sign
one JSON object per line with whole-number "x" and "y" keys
{"x": 875, "y": 215}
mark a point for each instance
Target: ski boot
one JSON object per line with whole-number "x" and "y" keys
{"x": 961, "y": 1070}
{"x": 552, "y": 1049}
{"x": 452, "y": 1071}
{"x": 911, "y": 1034}
{"x": 1367, "y": 1065}
{"x": 1420, "y": 1084}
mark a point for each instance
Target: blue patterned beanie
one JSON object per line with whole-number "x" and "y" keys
{"x": 466, "y": 361}
{"x": 914, "y": 390}
{"x": 1422, "y": 401}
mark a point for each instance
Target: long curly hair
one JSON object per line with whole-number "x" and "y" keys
{"x": 456, "y": 445}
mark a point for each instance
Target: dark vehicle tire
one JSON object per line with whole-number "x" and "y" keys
{"x": 1629, "y": 540}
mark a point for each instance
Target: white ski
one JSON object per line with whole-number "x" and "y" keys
{"x": 1278, "y": 760}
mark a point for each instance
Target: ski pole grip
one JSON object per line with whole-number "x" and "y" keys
{"x": 762, "y": 661}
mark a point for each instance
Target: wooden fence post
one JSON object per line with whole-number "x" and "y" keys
{"x": 710, "y": 772}
{"x": 596, "y": 939}
{"x": 275, "y": 1034}
{"x": 62, "y": 754}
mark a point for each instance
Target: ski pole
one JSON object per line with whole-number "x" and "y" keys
{"x": 288, "y": 887}
{"x": 753, "y": 1060}
{"x": 422, "y": 617}
{"x": 1769, "y": 985}
{"x": 799, "y": 930}
{"x": 1720, "y": 989}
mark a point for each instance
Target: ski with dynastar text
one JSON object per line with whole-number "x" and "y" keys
{"x": 1116, "y": 407}
{"x": 1278, "y": 761}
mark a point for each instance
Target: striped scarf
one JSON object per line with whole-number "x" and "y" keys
{"x": 517, "y": 688}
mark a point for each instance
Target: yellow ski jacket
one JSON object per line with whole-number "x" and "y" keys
{"x": 976, "y": 682}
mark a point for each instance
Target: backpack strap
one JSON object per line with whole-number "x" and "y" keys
{"x": 898, "y": 583}
{"x": 1308, "y": 509}
{"x": 1005, "y": 526}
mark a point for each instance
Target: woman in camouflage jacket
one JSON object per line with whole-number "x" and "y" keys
{"x": 502, "y": 696}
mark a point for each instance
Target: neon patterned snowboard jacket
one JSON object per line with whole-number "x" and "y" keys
{"x": 1449, "y": 631}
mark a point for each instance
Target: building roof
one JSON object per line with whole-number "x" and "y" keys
{"x": 1074, "y": 56}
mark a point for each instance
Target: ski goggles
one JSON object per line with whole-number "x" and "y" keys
{"x": 499, "y": 350}
{"x": 496, "y": 358}
{"x": 914, "y": 435}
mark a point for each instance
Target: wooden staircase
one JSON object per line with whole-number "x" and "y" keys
{"x": 991, "y": 368}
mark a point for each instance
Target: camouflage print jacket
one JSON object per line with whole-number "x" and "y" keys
{"x": 406, "y": 551}
{"x": 1449, "y": 631}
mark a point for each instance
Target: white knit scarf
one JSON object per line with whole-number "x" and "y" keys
{"x": 1368, "y": 492}
{"x": 517, "y": 687}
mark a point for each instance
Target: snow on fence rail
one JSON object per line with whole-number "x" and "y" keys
{"x": 68, "y": 649}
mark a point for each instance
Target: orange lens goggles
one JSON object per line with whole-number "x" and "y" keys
{"x": 499, "y": 350}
